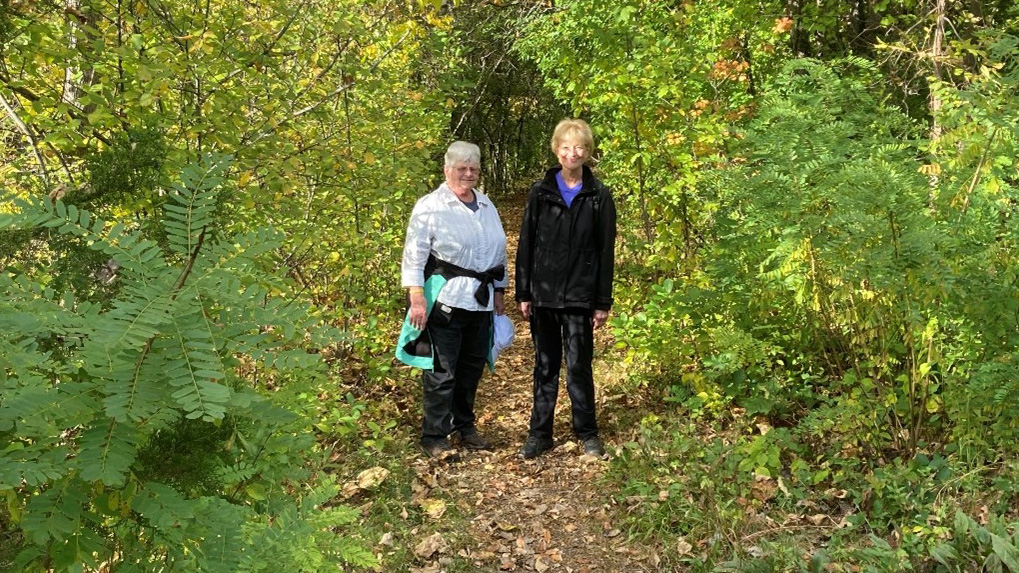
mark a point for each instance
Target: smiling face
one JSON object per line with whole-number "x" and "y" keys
{"x": 462, "y": 177}
{"x": 571, "y": 153}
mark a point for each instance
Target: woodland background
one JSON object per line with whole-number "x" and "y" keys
{"x": 203, "y": 209}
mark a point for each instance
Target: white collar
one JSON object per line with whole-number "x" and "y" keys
{"x": 449, "y": 196}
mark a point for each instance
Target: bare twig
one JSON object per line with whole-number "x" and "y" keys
{"x": 329, "y": 96}
{"x": 13, "y": 115}
{"x": 976, "y": 174}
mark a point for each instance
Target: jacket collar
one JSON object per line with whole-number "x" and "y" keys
{"x": 450, "y": 198}
{"x": 549, "y": 184}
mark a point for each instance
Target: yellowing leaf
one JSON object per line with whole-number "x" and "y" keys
{"x": 433, "y": 508}
{"x": 372, "y": 477}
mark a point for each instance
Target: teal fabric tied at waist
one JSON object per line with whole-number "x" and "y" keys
{"x": 414, "y": 347}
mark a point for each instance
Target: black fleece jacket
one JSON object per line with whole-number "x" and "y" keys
{"x": 565, "y": 257}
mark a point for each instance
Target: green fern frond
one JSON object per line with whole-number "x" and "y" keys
{"x": 192, "y": 204}
{"x": 136, "y": 390}
{"x": 55, "y": 513}
{"x": 107, "y": 452}
{"x": 32, "y": 465}
{"x": 37, "y": 411}
{"x": 86, "y": 385}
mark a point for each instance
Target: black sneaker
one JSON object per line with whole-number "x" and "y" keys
{"x": 535, "y": 446}
{"x": 440, "y": 450}
{"x": 472, "y": 440}
{"x": 593, "y": 447}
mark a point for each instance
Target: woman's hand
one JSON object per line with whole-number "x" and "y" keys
{"x": 600, "y": 316}
{"x": 525, "y": 309}
{"x": 499, "y": 303}
{"x": 418, "y": 307}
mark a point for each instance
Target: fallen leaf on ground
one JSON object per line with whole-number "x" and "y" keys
{"x": 683, "y": 547}
{"x": 433, "y": 508}
{"x": 430, "y": 545}
{"x": 372, "y": 477}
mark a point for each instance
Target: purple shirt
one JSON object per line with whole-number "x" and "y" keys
{"x": 568, "y": 193}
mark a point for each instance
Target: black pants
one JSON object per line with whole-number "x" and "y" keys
{"x": 460, "y": 343}
{"x": 552, "y": 331}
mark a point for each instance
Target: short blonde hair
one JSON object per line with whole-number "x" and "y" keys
{"x": 576, "y": 129}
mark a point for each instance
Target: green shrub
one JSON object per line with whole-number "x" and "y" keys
{"x": 128, "y": 436}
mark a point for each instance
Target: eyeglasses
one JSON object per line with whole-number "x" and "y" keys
{"x": 464, "y": 169}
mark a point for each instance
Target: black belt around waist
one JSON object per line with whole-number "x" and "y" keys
{"x": 449, "y": 270}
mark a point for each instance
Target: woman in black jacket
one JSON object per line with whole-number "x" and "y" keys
{"x": 564, "y": 271}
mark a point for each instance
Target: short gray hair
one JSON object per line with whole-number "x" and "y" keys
{"x": 463, "y": 152}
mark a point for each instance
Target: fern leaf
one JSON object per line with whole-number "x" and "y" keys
{"x": 55, "y": 513}
{"x": 107, "y": 452}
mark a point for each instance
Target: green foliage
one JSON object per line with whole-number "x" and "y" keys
{"x": 501, "y": 101}
{"x": 858, "y": 292}
{"x": 98, "y": 401}
{"x": 131, "y": 164}
{"x": 977, "y": 547}
{"x": 659, "y": 82}
{"x": 829, "y": 262}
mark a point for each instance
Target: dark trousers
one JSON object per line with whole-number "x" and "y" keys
{"x": 553, "y": 331}
{"x": 460, "y": 343}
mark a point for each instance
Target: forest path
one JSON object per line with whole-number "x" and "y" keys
{"x": 546, "y": 514}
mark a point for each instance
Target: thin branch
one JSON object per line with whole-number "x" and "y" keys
{"x": 976, "y": 174}
{"x": 28, "y": 135}
{"x": 174, "y": 293}
{"x": 339, "y": 90}
{"x": 268, "y": 49}
{"x": 73, "y": 111}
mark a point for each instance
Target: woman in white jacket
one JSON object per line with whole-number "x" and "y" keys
{"x": 455, "y": 231}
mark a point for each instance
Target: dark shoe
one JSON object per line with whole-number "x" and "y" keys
{"x": 593, "y": 447}
{"x": 535, "y": 446}
{"x": 440, "y": 450}
{"x": 472, "y": 440}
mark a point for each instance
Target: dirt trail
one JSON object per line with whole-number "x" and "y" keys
{"x": 546, "y": 514}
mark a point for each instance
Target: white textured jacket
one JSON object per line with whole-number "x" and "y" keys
{"x": 442, "y": 225}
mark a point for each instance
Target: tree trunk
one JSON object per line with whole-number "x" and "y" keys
{"x": 864, "y": 28}
{"x": 81, "y": 21}
{"x": 937, "y": 52}
{"x": 798, "y": 40}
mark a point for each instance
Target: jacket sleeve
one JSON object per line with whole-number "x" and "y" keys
{"x": 416, "y": 247}
{"x": 607, "y": 255}
{"x": 525, "y": 249}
